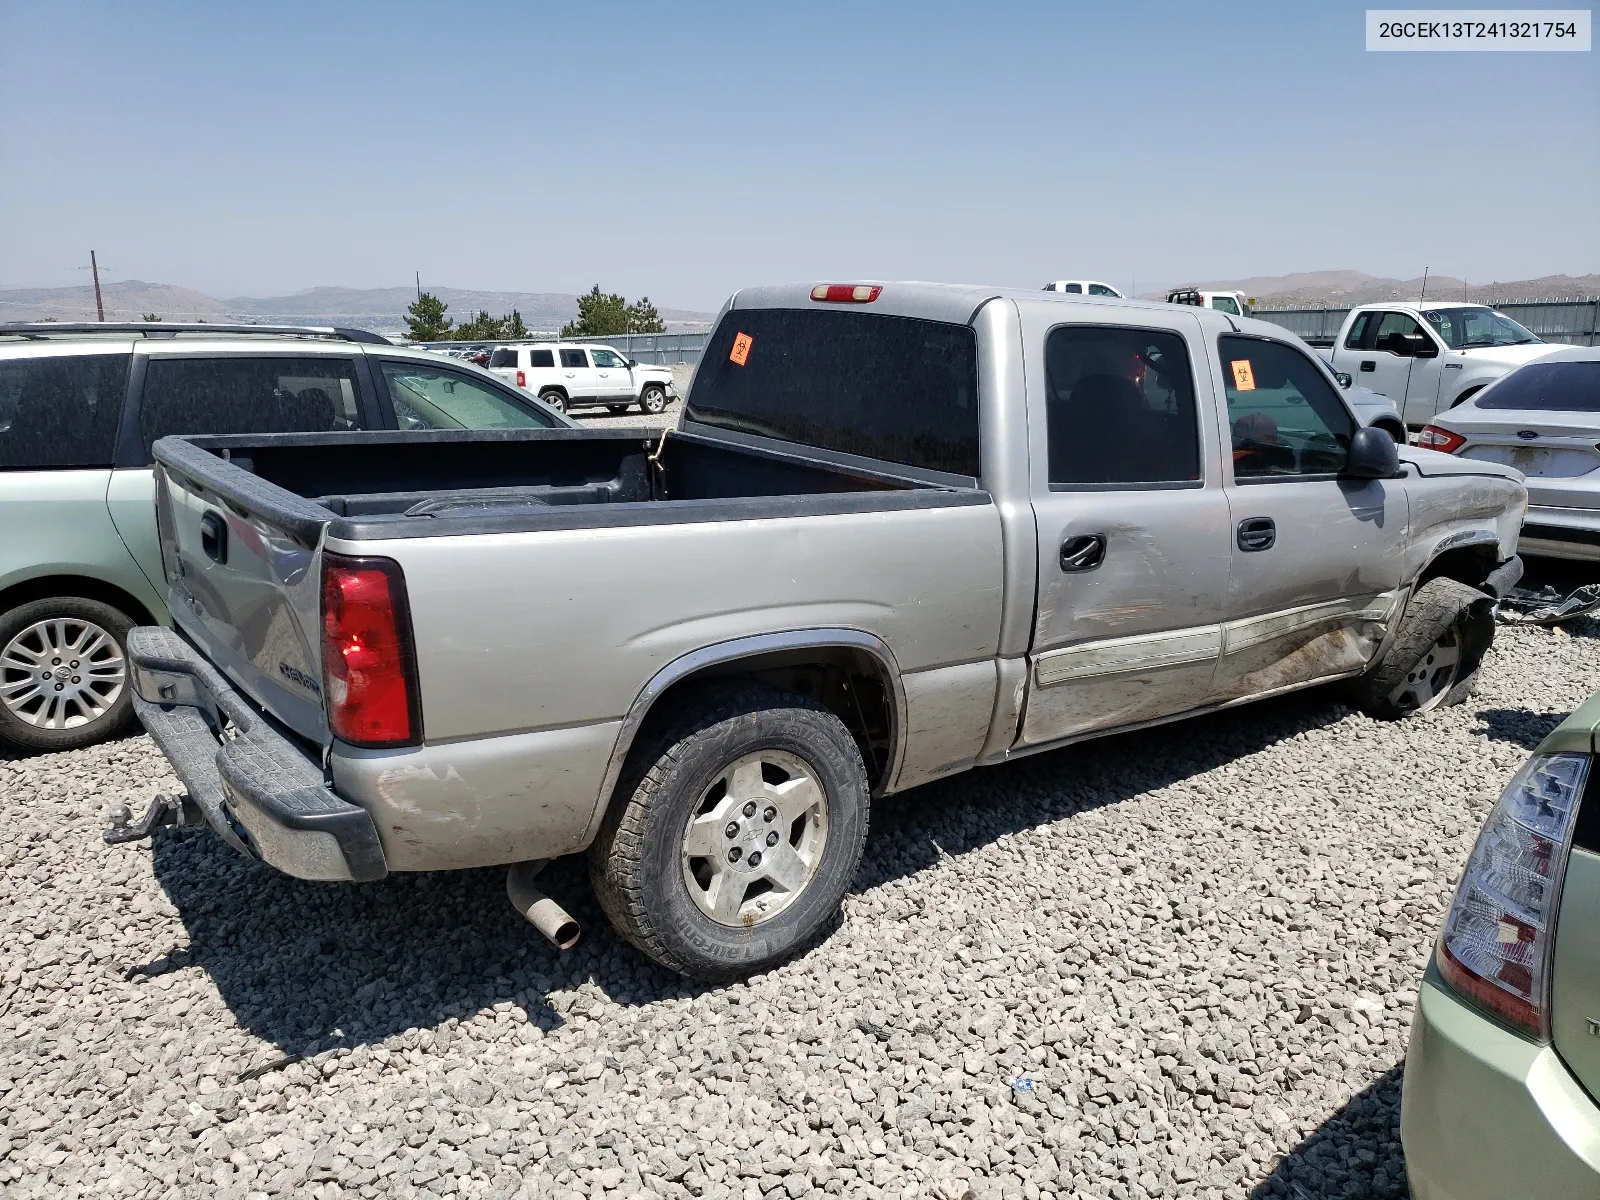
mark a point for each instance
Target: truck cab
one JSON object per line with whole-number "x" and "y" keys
{"x": 1428, "y": 356}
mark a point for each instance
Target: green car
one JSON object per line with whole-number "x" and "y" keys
{"x": 80, "y": 406}
{"x": 1504, "y": 1064}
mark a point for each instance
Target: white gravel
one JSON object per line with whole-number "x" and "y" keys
{"x": 1199, "y": 945}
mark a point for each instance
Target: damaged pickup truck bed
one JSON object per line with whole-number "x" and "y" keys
{"x": 903, "y": 530}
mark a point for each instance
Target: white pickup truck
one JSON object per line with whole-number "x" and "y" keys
{"x": 576, "y": 374}
{"x": 1428, "y": 356}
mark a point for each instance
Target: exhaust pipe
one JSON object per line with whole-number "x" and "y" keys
{"x": 543, "y": 913}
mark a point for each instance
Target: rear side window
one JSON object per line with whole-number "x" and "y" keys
{"x": 1551, "y": 387}
{"x": 1120, "y": 407}
{"x": 1075, "y": 288}
{"x": 541, "y": 358}
{"x": 573, "y": 358}
{"x": 898, "y": 389}
{"x": 1356, "y": 339}
{"x": 61, "y": 411}
{"x": 503, "y": 357}
{"x": 248, "y": 395}
{"x": 1287, "y": 420}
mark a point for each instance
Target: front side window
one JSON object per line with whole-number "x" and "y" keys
{"x": 1225, "y": 304}
{"x": 573, "y": 358}
{"x": 61, "y": 410}
{"x": 505, "y": 356}
{"x": 1356, "y": 339}
{"x": 899, "y": 389}
{"x": 1287, "y": 420}
{"x": 240, "y": 394}
{"x": 1100, "y": 289}
{"x": 607, "y": 359}
{"x": 1394, "y": 329}
{"x": 1120, "y": 407}
{"x": 1468, "y": 328}
{"x": 427, "y": 397}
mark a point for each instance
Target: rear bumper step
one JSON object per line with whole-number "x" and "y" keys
{"x": 258, "y": 789}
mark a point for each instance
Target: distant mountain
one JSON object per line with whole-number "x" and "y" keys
{"x": 1315, "y": 289}
{"x": 372, "y": 308}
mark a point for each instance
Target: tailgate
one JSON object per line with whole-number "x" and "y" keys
{"x": 244, "y": 580}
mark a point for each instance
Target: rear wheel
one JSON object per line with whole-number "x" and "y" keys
{"x": 653, "y": 399}
{"x": 742, "y": 829}
{"x": 554, "y": 399}
{"x": 1434, "y": 658}
{"x": 63, "y": 673}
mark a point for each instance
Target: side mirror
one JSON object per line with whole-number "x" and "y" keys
{"x": 1345, "y": 378}
{"x": 1422, "y": 346}
{"x": 1373, "y": 455}
{"x": 1398, "y": 343}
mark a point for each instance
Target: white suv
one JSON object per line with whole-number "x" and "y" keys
{"x": 575, "y": 374}
{"x": 1084, "y": 287}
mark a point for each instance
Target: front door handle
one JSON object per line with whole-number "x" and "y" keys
{"x": 1257, "y": 533}
{"x": 1083, "y": 553}
{"x": 1368, "y": 364}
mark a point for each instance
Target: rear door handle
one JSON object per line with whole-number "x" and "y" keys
{"x": 214, "y": 536}
{"x": 1257, "y": 533}
{"x": 1368, "y": 364}
{"x": 1083, "y": 553}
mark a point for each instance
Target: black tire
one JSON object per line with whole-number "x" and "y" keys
{"x": 653, "y": 399}
{"x": 555, "y": 399}
{"x": 1443, "y": 617}
{"x": 89, "y": 727}
{"x": 616, "y": 410}
{"x": 639, "y": 862}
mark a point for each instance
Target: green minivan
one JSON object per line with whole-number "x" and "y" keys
{"x": 80, "y": 406}
{"x": 1504, "y": 1064}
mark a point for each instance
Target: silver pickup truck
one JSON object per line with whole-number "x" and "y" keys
{"x": 902, "y": 530}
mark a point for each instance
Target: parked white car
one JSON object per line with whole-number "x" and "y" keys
{"x": 1428, "y": 357}
{"x": 1544, "y": 420}
{"x": 1235, "y": 304}
{"x": 1084, "y": 287}
{"x": 578, "y": 374}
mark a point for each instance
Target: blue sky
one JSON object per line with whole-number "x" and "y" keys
{"x": 683, "y": 151}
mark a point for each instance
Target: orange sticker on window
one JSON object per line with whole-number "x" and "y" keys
{"x": 741, "y": 349}
{"x": 1243, "y": 377}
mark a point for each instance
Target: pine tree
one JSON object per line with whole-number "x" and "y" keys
{"x": 425, "y": 319}
{"x": 643, "y": 318}
{"x": 514, "y": 326}
{"x": 600, "y": 314}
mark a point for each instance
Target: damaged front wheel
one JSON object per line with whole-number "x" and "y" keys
{"x": 1433, "y": 659}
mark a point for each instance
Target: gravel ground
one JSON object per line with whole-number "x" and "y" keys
{"x": 1199, "y": 948}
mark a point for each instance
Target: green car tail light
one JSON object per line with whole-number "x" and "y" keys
{"x": 1496, "y": 945}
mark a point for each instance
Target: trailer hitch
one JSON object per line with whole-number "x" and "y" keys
{"x": 163, "y": 810}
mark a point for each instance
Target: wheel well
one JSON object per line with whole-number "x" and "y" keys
{"x": 85, "y": 588}
{"x": 1470, "y": 565}
{"x": 553, "y": 387}
{"x": 850, "y": 683}
{"x": 1394, "y": 429}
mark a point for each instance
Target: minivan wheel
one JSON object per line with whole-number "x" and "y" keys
{"x": 1434, "y": 657}
{"x": 63, "y": 673}
{"x": 653, "y": 399}
{"x": 554, "y": 399}
{"x": 736, "y": 832}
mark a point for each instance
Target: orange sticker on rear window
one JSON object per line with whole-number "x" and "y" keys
{"x": 1243, "y": 377}
{"x": 741, "y": 349}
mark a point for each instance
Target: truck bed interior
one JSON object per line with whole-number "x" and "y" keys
{"x": 376, "y": 475}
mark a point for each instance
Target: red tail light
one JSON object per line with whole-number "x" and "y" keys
{"x": 1434, "y": 438}
{"x": 849, "y": 293}
{"x": 369, "y": 663}
{"x": 522, "y": 379}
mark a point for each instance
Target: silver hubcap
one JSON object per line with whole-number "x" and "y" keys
{"x": 652, "y": 400}
{"x": 61, "y": 673}
{"x": 755, "y": 839}
{"x": 1431, "y": 679}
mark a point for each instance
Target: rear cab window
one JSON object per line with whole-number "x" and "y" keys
{"x": 238, "y": 393}
{"x": 897, "y": 389}
{"x": 61, "y": 410}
